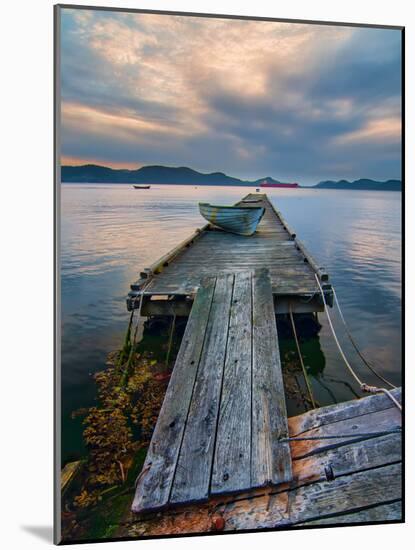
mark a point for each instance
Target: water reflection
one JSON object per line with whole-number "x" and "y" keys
{"x": 110, "y": 232}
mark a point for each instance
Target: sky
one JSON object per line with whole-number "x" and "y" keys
{"x": 297, "y": 102}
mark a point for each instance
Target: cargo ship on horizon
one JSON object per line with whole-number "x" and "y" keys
{"x": 267, "y": 183}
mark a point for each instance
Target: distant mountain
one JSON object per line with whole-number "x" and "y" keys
{"x": 91, "y": 173}
{"x": 363, "y": 184}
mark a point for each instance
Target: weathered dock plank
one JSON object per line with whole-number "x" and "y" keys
{"x": 375, "y": 514}
{"x": 271, "y": 461}
{"x": 218, "y": 431}
{"x": 348, "y": 458}
{"x": 387, "y": 419}
{"x": 155, "y": 481}
{"x": 349, "y": 409}
{"x": 318, "y": 500}
{"x": 193, "y": 471}
{"x": 232, "y": 464}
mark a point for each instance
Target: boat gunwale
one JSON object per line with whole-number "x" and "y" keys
{"x": 235, "y": 207}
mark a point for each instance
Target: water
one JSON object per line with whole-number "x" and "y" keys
{"x": 111, "y": 232}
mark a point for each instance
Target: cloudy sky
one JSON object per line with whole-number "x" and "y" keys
{"x": 250, "y": 98}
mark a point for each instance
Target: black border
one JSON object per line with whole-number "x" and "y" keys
{"x": 403, "y": 289}
{"x": 227, "y": 16}
{"x": 57, "y": 424}
{"x": 56, "y": 255}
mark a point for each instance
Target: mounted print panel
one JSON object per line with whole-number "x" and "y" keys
{"x": 228, "y": 309}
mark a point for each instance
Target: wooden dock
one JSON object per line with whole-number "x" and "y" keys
{"x": 223, "y": 454}
{"x": 169, "y": 285}
{"x": 335, "y": 481}
{"x": 224, "y": 412}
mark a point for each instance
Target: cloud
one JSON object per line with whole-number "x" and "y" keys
{"x": 295, "y": 101}
{"x": 380, "y": 130}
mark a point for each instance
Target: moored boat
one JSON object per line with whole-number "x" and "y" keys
{"x": 141, "y": 186}
{"x": 235, "y": 219}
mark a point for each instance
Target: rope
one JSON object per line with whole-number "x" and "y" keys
{"x": 363, "y": 386}
{"x": 140, "y": 297}
{"x": 127, "y": 342}
{"x": 300, "y": 392}
{"x": 363, "y": 358}
{"x": 301, "y": 361}
{"x": 133, "y": 342}
{"x": 342, "y": 436}
{"x": 375, "y": 389}
{"x": 173, "y": 325}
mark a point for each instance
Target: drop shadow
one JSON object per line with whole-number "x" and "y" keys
{"x": 42, "y": 532}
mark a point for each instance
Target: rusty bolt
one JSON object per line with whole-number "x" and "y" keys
{"x": 218, "y": 523}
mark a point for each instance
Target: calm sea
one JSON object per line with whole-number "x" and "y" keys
{"x": 111, "y": 232}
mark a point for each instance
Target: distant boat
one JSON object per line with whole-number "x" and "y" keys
{"x": 141, "y": 186}
{"x": 235, "y": 219}
{"x": 267, "y": 183}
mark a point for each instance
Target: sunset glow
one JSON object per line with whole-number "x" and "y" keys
{"x": 250, "y": 98}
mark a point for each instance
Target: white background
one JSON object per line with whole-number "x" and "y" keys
{"x": 26, "y": 299}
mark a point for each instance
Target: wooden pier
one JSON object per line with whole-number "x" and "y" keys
{"x": 353, "y": 480}
{"x": 223, "y": 446}
{"x": 224, "y": 412}
{"x": 169, "y": 285}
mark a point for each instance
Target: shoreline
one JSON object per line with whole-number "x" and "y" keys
{"x": 228, "y": 185}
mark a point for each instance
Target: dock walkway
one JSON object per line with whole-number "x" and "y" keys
{"x": 335, "y": 481}
{"x": 219, "y": 429}
{"x": 223, "y": 448}
{"x": 210, "y": 251}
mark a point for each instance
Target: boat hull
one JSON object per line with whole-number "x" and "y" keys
{"x": 234, "y": 219}
{"x": 141, "y": 186}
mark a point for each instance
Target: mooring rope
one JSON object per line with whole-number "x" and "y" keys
{"x": 363, "y": 358}
{"x": 140, "y": 297}
{"x": 363, "y": 386}
{"x": 128, "y": 337}
{"x": 172, "y": 327}
{"x": 301, "y": 360}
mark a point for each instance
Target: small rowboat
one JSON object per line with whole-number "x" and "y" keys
{"x": 235, "y": 219}
{"x": 141, "y": 186}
